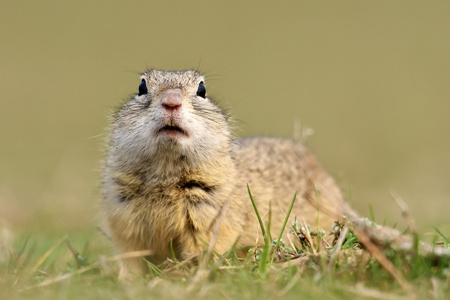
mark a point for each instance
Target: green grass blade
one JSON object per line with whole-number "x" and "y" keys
{"x": 172, "y": 252}
{"x": 269, "y": 223}
{"x": 371, "y": 213}
{"x": 256, "y": 211}
{"x": 316, "y": 193}
{"x": 152, "y": 268}
{"x": 265, "y": 253}
{"x": 446, "y": 240}
{"x": 285, "y": 221}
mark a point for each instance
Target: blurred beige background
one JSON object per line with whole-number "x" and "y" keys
{"x": 370, "y": 77}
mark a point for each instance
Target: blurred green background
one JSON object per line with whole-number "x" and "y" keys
{"x": 370, "y": 77}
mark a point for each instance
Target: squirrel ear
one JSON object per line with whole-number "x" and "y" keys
{"x": 201, "y": 91}
{"x": 143, "y": 88}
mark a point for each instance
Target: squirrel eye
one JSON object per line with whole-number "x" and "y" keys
{"x": 201, "y": 91}
{"x": 142, "y": 88}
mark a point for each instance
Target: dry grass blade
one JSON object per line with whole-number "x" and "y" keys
{"x": 202, "y": 271}
{"x": 218, "y": 221}
{"x": 405, "y": 212}
{"x": 338, "y": 246}
{"x": 362, "y": 291}
{"x": 91, "y": 267}
{"x": 306, "y": 232}
{"x": 296, "y": 261}
{"x": 47, "y": 254}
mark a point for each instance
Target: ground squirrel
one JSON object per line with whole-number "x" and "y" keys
{"x": 173, "y": 167}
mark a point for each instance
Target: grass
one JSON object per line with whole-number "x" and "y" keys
{"x": 315, "y": 265}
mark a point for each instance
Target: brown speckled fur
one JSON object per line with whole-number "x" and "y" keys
{"x": 157, "y": 189}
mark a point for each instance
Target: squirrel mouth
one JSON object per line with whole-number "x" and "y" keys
{"x": 173, "y": 130}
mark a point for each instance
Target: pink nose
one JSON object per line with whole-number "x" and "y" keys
{"x": 172, "y": 99}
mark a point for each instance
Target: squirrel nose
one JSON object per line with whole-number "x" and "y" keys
{"x": 172, "y": 99}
